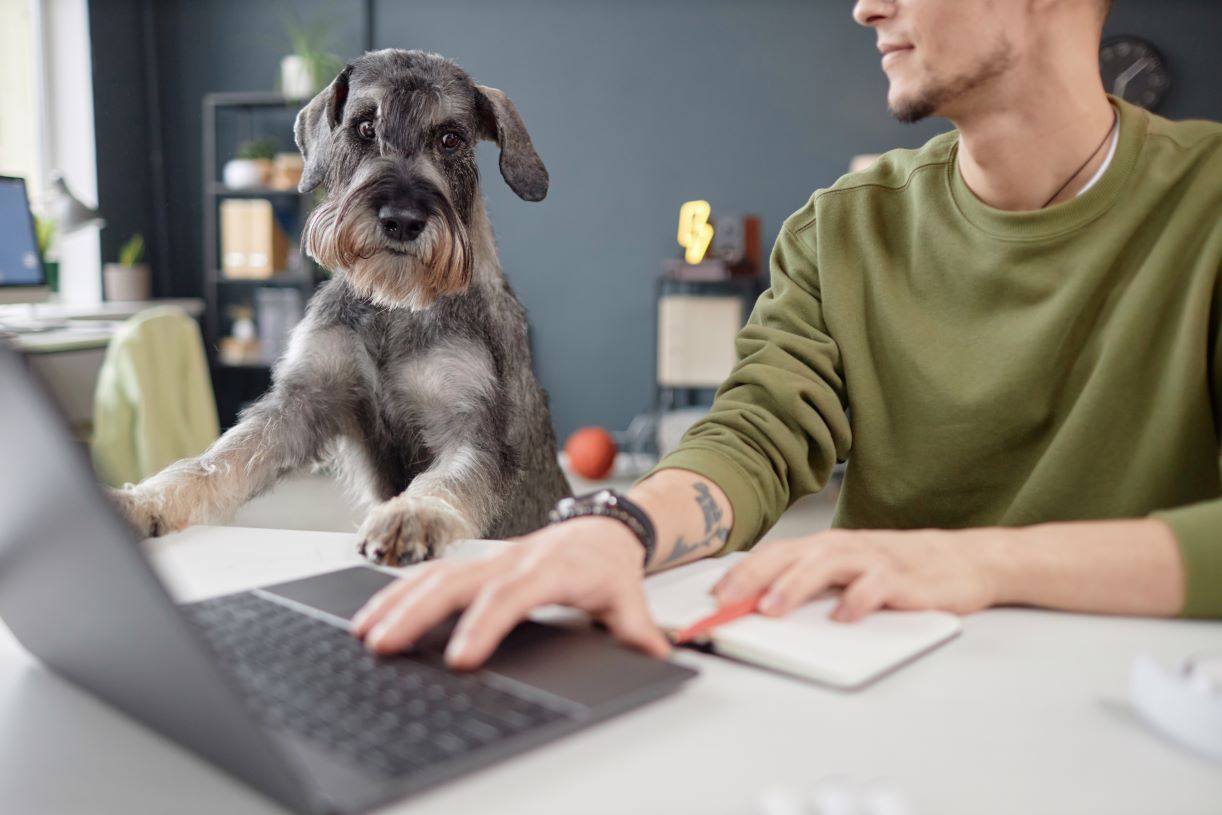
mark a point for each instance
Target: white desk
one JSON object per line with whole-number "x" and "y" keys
{"x": 91, "y": 325}
{"x": 1026, "y": 712}
{"x": 67, "y": 360}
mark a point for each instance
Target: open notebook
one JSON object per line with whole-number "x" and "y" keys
{"x": 805, "y": 642}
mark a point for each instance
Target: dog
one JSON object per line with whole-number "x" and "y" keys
{"x": 410, "y": 372}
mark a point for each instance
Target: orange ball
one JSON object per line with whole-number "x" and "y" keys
{"x": 591, "y": 452}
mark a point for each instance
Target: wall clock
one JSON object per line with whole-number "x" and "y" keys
{"x": 1134, "y": 70}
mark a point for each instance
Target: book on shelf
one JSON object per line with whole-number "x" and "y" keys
{"x": 253, "y": 244}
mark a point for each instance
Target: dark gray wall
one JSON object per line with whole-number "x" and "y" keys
{"x": 125, "y": 147}
{"x": 635, "y": 106}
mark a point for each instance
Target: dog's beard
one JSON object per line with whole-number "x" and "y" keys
{"x": 348, "y": 236}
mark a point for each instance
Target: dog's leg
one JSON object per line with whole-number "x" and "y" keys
{"x": 311, "y": 401}
{"x": 449, "y": 501}
{"x": 459, "y": 410}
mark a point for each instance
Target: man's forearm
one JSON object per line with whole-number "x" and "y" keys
{"x": 1106, "y": 567}
{"x": 690, "y": 514}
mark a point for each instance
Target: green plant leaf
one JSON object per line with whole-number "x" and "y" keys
{"x": 257, "y": 148}
{"x": 44, "y": 233}
{"x": 131, "y": 252}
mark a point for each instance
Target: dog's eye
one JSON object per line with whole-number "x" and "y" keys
{"x": 365, "y": 129}
{"x": 451, "y": 140}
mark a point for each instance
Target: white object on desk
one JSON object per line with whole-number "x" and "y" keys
{"x": 1184, "y": 705}
{"x": 805, "y": 642}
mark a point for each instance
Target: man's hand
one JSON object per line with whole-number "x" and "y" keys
{"x": 926, "y": 569}
{"x": 1127, "y": 566}
{"x": 593, "y": 564}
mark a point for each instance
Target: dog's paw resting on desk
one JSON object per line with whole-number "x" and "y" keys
{"x": 185, "y": 493}
{"x": 409, "y": 529}
{"x": 190, "y": 491}
{"x": 146, "y": 511}
{"x": 138, "y": 511}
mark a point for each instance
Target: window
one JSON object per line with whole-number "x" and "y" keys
{"x": 20, "y": 128}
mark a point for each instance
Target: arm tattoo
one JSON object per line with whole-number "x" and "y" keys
{"x": 714, "y": 531}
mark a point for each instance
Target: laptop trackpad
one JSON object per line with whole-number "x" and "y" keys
{"x": 339, "y": 594}
{"x": 582, "y": 665}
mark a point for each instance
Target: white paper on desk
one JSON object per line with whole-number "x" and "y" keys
{"x": 806, "y": 642}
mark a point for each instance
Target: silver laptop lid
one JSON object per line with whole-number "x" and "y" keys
{"x": 77, "y": 592}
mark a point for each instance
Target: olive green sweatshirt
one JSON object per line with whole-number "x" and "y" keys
{"x": 981, "y": 367}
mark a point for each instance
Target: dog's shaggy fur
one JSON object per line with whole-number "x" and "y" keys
{"x": 410, "y": 372}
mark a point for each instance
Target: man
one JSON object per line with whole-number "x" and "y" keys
{"x": 1023, "y": 316}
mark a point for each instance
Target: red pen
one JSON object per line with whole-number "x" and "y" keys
{"x": 722, "y": 616}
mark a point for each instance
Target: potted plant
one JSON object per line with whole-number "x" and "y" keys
{"x": 311, "y": 65}
{"x": 44, "y": 233}
{"x": 128, "y": 280}
{"x": 253, "y": 165}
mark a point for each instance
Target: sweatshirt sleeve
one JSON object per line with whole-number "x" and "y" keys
{"x": 1198, "y": 527}
{"x": 1198, "y": 531}
{"x": 778, "y": 424}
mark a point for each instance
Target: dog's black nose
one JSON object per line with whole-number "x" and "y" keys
{"x": 401, "y": 224}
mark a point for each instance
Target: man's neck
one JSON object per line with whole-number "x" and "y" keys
{"x": 1016, "y": 157}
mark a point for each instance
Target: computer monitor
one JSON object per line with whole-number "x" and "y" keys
{"x": 21, "y": 274}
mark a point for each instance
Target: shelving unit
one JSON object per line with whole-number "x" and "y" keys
{"x": 676, "y": 391}
{"x": 229, "y": 119}
{"x": 691, "y": 342}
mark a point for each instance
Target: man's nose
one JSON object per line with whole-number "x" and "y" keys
{"x": 401, "y": 222}
{"x": 872, "y": 12}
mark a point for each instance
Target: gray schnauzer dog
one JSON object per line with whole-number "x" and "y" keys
{"x": 411, "y": 371}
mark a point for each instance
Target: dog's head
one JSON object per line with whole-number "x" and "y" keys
{"x": 392, "y": 139}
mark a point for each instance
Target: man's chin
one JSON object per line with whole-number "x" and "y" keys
{"x": 910, "y": 108}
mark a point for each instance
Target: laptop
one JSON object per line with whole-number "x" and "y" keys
{"x": 20, "y": 263}
{"x": 268, "y": 684}
{"x": 21, "y": 269}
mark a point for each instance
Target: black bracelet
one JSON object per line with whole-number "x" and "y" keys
{"x": 609, "y": 504}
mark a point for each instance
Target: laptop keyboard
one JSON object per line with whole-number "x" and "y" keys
{"x": 391, "y": 717}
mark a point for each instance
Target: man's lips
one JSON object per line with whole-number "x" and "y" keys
{"x": 892, "y": 51}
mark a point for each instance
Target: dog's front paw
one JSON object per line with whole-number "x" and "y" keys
{"x": 140, "y": 510}
{"x": 410, "y": 529}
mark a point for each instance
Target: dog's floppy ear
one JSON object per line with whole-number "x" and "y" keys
{"x": 314, "y": 129}
{"x": 520, "y": 164}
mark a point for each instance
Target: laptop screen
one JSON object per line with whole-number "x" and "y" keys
{"x": 20, "y": 264}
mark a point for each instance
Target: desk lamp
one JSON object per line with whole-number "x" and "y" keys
{"x": 67, "y": 209}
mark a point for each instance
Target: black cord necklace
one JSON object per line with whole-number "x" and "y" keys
{"x": 1089, "y": 159}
